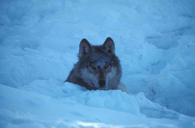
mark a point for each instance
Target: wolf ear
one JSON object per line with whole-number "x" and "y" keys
{"x": 109, "y": 45}
{"x": 84, "y": 47}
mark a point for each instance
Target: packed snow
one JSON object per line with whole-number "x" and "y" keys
{"x": 39, "y": 41}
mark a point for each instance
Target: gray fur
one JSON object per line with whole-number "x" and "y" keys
{"x": 98, "y": 67}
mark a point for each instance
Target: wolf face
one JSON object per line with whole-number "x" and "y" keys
{"x": 98, "y": 66}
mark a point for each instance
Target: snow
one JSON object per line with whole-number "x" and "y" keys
{"x": 78, "y": 107}
{"x": 155, "y": 41}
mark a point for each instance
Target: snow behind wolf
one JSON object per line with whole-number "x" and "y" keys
{"x": 98, "y": 67}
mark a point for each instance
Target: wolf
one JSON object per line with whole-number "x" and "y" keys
{"x": 98, "y": 67}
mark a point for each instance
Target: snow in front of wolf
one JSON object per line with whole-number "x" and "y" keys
{"x": 39, "y": 41}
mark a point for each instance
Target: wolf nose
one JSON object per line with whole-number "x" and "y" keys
{"x": 102, "y": 83}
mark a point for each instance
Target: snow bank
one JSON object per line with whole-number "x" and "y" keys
{"x": 81, "y": 108}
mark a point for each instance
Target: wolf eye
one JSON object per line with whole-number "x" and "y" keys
{"x": 92, "y": 66}
{"x": 107, "y": 66}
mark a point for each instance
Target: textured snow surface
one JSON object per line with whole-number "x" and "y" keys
{"x": 155, "y": 41}
{"x": 75, "y": 107}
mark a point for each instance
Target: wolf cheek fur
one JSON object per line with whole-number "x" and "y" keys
{"x": 98, "y": 67}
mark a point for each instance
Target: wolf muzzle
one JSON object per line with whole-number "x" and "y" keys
{"x": 102, "y": 83}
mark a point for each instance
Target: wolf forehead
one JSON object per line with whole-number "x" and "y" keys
{"x": 98, "y": 54}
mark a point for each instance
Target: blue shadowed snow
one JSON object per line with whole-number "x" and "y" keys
{"x": 155, "y": 41}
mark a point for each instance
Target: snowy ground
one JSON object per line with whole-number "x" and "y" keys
{"x": 155, "y": 41}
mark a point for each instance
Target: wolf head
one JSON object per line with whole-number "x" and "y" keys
{"x": 98, "y": 66}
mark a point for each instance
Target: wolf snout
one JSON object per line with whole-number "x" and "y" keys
{"x": 102, "y": 83}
